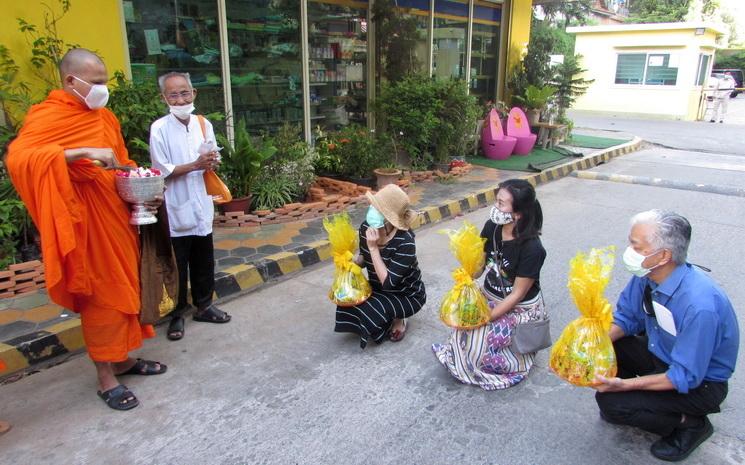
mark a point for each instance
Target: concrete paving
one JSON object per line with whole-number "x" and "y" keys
{"x": 277, "y": 386}
{"x": 685, "y": 135}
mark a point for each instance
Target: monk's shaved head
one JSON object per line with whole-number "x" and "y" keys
{"x": 77, "y": 60}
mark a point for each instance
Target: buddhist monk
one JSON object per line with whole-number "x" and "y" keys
{"x": 60, "y": 164}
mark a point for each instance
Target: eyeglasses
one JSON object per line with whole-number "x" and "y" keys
{"x": 184, "y": 95}
{"x": 647, "y": 304}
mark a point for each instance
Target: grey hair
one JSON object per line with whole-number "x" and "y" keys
{"x": 671, "y": 231}
{"x": 162, "y": 80}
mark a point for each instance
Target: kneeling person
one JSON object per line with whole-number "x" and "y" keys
{"x": 676, "y": 340}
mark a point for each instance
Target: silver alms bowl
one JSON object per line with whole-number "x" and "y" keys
{"x": 137, "y": 191}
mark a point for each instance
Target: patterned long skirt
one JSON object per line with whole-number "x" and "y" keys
{"x": 483, "y": 356}
{"x": 372, "y": 318}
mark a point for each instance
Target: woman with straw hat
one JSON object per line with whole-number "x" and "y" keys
{"x": 388, "y": 252}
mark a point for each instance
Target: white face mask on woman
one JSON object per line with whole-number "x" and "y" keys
{"x": 97, "y": 97}
{"x": 499, "y": 217}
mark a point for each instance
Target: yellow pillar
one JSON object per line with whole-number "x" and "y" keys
{"x": 520, "y": 14}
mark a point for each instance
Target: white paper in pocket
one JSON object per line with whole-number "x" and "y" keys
{"x": 664, "y": 318}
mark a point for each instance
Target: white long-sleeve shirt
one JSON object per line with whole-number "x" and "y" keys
{"x": 190, "y": 208}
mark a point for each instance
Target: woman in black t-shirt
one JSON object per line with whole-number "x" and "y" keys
{"x": 514, "y": 257}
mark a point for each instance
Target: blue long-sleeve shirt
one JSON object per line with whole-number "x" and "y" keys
{"x": 708, "y": 337}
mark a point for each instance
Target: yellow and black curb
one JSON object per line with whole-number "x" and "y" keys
{"x": 28, "y": 351}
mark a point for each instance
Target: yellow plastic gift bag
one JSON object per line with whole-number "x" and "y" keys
{"x": 350, "y": 287}
{"x": 584, "y": 348}
{"x": 464, "y": 306}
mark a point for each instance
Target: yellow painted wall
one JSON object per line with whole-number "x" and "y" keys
{"x": 93, "y": 24}
{"x": 518, "y": 23}
{"x": 521, "y": 12}
{"x": 600, "y": 51}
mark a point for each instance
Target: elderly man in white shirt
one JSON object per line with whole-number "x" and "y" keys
{"x": 183, "y": 146}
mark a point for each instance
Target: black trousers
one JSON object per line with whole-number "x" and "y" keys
{"x": 195, "y": 258}
{"x": 658, "y": 412}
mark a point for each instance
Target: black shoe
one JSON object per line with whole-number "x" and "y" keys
{"x": 681, "y": 442}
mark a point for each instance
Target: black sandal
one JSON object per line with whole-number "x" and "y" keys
{"x": 119, "y": 398}
{"x": 175, "y": 328}
{"x": 211, "y": 314}
{"x": 145, "y": 368}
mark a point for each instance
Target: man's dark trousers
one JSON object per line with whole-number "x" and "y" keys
{"x": 195, "y": 258}
{"x": 658, "y": 412}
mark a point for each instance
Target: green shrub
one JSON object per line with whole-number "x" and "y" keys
{"x": 136, "y": 106}
{"x": 361, "y": 151}
{"x": 13, "y": 223}
{"x": 243, "y": 160}
{"x": 407, "y": 111}
{"x": 328, "y": 153}
{"x": 457, "y": 119}
{"x": 425, "y": 115}
{"x": 272, "y": 191}
{"x": 293, "y": 161}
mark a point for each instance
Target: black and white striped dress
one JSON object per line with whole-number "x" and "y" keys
{"x": 400, "y": 296}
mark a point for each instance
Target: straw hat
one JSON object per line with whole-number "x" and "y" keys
{"x": 393, "y": 203}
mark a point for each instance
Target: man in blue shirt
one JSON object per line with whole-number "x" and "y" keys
{"x": 676, "y": 340}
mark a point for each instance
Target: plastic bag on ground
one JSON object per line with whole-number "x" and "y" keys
{"x": 584, "y": 348}
{"x": 464, "y": 306}
{"x": 350, "y": 287}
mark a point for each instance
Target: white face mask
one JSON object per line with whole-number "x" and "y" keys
{"x": 499, "y": 217}
{"x": 182, "y": 111}
{"x": 633, "y": 260}
{"x": 97, "y": 97}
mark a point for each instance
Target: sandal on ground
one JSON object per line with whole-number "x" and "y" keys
{"x": 119, "y": 398}
{"x": 211, "y": 314}
{"x": 175, "y": 328}
{"x": 398, "y": 335}
{"x": 145, "y": 368}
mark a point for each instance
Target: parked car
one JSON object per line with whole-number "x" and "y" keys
{"x": 736, "y": 74}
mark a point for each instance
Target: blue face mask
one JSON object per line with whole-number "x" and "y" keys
{"x": 374, "y": 218}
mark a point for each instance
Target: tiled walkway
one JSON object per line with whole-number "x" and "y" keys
{"x": 246, "y": 258}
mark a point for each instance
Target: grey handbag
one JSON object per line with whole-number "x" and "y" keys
{"x": 533, "y": 335}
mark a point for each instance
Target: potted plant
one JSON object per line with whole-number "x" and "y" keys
{"x": 388, "y": 171}
{"x": 457, "y": 116}
{"x": 535, "y": 100}
{"x": 359, "y": 153}
{"x": 241, "y": 165}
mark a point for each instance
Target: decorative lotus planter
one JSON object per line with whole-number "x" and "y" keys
{"x": 137, "y": 187}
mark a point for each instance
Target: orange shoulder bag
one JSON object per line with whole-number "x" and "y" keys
{"x": 212, "y": 182}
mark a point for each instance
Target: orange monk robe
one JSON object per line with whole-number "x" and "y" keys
{"x": 91, "y": 252}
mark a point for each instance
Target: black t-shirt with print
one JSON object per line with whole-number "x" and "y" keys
{"x": 513, "y": 258}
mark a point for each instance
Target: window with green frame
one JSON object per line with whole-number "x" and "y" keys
{"x": 652, "y": 69}
{"x": 630, "y": 68}
{"x": 659, "y": 71}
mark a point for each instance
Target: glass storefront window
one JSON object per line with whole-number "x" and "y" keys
{"x": 449, "y": 39}
{"x": 337, "y": 50}
{"x": 484, "y": 59}
{"x": 421, "y": 50}
{"x": 182, "y": 36}
{"x": 487, "y": 17}
{"x": 265, "y": 62}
